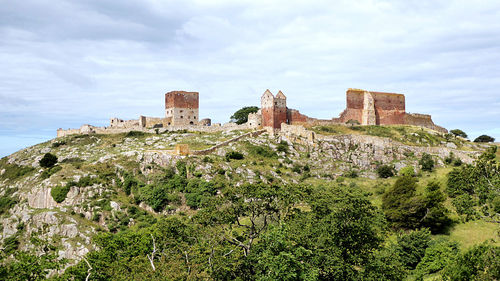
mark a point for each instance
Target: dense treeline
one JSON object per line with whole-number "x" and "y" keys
{"x": 286, "y": 232}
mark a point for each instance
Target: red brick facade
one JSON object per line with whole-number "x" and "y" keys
{"x": 182, "y": 99}
{"x": 389, "y": 107}
{"x": 273, "y": 109}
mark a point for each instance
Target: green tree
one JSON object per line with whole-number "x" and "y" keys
{"x": 426, "y": 162}
{"x": 459, "y": 133}
{"x": 439, "y": 254}
{"x": 436, "y": 215}
{"x": 48, "y": 160}
{"x": 411, "y": 246}
{"x": 481, "y": 262}
{"x": 484, "y": 138}
{"x": 241, "y": 116}
{"x": 402, "y": 208}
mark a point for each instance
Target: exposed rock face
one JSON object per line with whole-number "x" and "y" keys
{"x": 364, "y": 151}
{"x": 40, "y": 198}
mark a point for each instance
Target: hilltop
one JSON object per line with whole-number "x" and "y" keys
{"x": 116, "y": 183}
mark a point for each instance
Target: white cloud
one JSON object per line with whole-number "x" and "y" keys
{"x": 66, "y": 63}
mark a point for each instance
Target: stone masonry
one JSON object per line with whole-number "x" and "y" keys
{"x": 182, "y": 107}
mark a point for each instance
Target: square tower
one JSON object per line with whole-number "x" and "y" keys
{"x": 182, "y": 107}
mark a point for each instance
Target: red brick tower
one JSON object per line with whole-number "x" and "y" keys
{"x": 274, "y": 111}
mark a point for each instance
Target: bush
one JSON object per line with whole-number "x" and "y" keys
{"x": 282, "y": 147}
{"x": 48, "y": 160}
{"x": 234, "y": 155}
{"x": 7, "y": 202}
{"x": 49, "y": 172}
{"x": 479, "y": 263}
{"x": 407, "y": 171}
{"x": 439, "y": 253}
{"x": 385, "y": 171}
{"x": 426, "y": 162}
{"x": 14, "y": 171}
{"x": 59, "y": 193}
{"x": 135, "y": 134}
{"x": 351, "y": 174}
{"x": 484, "y": 138}
{"x": 262, "y": 151}
{"x": 411, "y": 246}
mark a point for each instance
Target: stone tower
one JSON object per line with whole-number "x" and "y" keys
{"x": 182, "y": 107}
{"x": 274, "y": 111}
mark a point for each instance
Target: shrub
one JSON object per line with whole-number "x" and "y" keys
{"x": 234, "y": 155}
{"x": 48, "y": 160}
{"x": 484, "y": 138}
{"x": 7, "y": 202}
{"x": 297, "y": 168}
{"x": 49, "y": 172}
{"x": 58, "y": 143}
{"x": 457, "y": 162}
{"x": 59, "y": 193}
{"x": 351, "y": 174}
{"x": 407, "y": 171}
{"x": 411, "y": 246}
{"x": 14, "y": 171}
{"x": 385, "y": 171}
{"x": 265, "y": 152}
{"x": 439, "y": 253}
{"x": 135, "y": 134}
{"x": 481, "y": 262}
{"x": 282, "y": 147}
{"x": 426, "y": 162}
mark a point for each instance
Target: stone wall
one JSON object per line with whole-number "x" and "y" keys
{"x": 423, "y": 120}
{"x": 297, "y": 133}
{"x": 120, "y": 123}
{"x": 154, "y": 122}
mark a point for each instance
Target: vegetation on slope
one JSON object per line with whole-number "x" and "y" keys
{"x": 272, "y": 214}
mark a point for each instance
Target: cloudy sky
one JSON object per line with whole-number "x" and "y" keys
{"x": 65, "y": 63}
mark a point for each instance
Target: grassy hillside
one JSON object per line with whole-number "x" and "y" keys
{"x": 121, "y": 188}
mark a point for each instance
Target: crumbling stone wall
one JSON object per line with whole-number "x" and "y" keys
{"x": 154, "y": 122}
{"x": 182, "y": 107}
{"x": 120, "y": 123}
{"x": 423, "y": 120}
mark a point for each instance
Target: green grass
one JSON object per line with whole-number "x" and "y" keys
{"x": 475, "y": 232}
{"x": 410, "y": 135}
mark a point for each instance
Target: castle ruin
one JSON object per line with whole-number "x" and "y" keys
{"x": 362, "y": 107}
{"x": 182, "y": 112}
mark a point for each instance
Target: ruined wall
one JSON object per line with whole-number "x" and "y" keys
{"x": 120, "y": 123}
{"x": 154, "y": 122}
{"x": 389, "y": 108}
{"x": 255, "y": 119}
{"x": 374, "y": 108}
{"x": 423, "y": 120}
{"x": 297, "y": 133}
{"x": 182, "y": 107}
{"x": 205, "y": 122}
